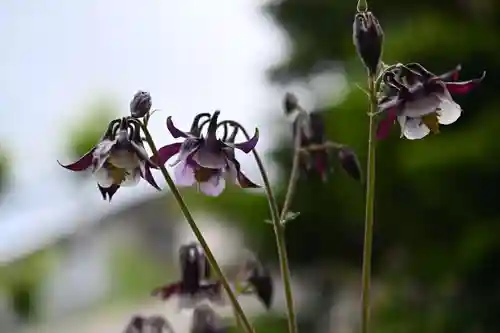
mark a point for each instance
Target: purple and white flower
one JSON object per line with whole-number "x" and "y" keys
{"x": 195, "y": 284}
{"x": 420, "y": 101}
{"x": 206, "y": 161}
{"x": 119, "y": 159}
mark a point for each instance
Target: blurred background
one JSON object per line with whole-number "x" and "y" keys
{"x": 70, "y": 262}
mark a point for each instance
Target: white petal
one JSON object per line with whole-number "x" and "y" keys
{"x": 422, "y": 106}
{"x": 103, "y": 177}
{"x": 101, "y": 153}
{"x": 184, "y": 174}
{"x": 209, "y": 160}
{"x": 103, "y": 148}
{"x": 124, "y": 159}
{"x": 449, "y": 111}
{"x": 132, "y": 178}
{"x": 214, "y": 186}
{"x": 414, "y": 129}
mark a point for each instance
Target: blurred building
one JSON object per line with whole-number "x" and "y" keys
{"x": 79, "y": 275}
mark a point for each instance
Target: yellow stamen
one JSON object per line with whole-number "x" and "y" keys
{"x": 204, "y": 174}
{"x": 431, "y": 121}
{"x": 118, "y": 175}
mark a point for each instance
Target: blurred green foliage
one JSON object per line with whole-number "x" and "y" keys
{"x": 21, "y": 280}
{"x": 437, "y": 241}
{"x": 86, "y": 132}
{"x": 5, "y": 164}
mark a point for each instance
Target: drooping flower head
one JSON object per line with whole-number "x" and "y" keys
{"x": 312, "y": 130}
{"x": 205, "y": 320}
{"x": 206, "y": 160}
{"x": 195, "y": 284}
{"x": 152, "y": 324}
{"x": 420, "y": 100}
{"x": 315, "y": 148}
{"x": 258, "y": 277}
{"x": 118, "y": 159}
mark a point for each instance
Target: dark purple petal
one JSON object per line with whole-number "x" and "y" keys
{"x": 192, "y": 260}
{"x": 166, "y": 291}
{"x": 463, "y": 87}
{"x": 249, "y": 145}
{"x": 165, "y": 153}
{"x": 211, "y": 138}
{"x": 83, "y": 163}
{"x": 148, "y": 176}
{"x": 245, "y": 182}
{"x": 235, "y": 170}
{"x": 386, "y": 123}
{"x": 174, "y": 131}
{"x": 196, "y": 127}
{"x": 108, "y": 192}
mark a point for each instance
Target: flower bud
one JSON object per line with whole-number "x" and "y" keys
{"x": 368, "y": 38}
{"x": 350, "y": 162}
{"x": 290, "y": 103}
{"x": 140, "y": 104}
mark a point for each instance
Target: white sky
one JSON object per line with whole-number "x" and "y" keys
{"x": 192, "y": 55}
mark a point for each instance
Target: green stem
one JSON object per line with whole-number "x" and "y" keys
{"x": 292, "y": 182}
{"x": 189, "y": 218}
{"x": 279, "y": 232}
{"x": 369, "y": 213}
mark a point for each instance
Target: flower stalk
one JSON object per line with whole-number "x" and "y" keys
{"x": 279, "y": 225}
{"x": 189, "y": 218}
{"x": 369, "y": 210}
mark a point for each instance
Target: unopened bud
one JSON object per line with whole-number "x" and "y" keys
{"x": 350, "y": 162}
{"x": 368, "y": 38}
{"x": 290, "y": 103}
{"x": 140, "y": 104}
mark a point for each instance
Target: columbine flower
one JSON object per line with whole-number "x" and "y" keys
{"x": 420, "y": 100}
{"x": 206, "y": 161}
{"x": 205, "y": 320}
{"x": 194, "y": 285}
{"x": 153, "y": 324}
{"x": 119, "y": 159}
{"x": 312, "y": 131}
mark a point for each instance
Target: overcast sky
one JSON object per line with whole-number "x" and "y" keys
{"x": 57, "y": 56}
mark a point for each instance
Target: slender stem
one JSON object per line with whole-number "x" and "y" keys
{"x": 238, "y": 321}
{"x": 279, "y": 232}
{"x": 295, "y": 167}
{"x": 370, "y": 197}
{"x": 189, "y": 218}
